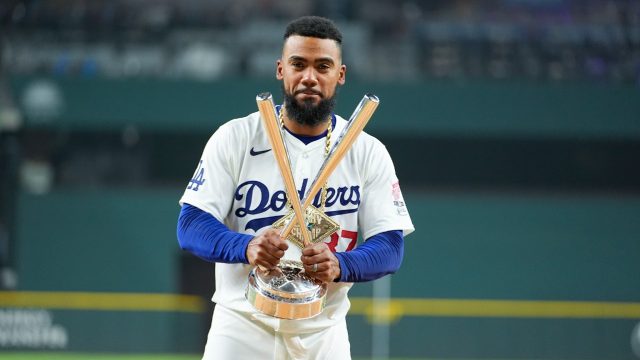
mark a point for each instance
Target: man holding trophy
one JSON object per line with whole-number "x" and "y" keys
{"x": 278, "y": 202}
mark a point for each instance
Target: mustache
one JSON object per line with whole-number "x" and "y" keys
{"x": 313, "y": 91}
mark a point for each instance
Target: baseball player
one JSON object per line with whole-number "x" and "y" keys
{"x": 237, "y": 193}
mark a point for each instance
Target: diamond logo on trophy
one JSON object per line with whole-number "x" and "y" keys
{"x": 319, "y": 225}
{"x": 287, "y": 292}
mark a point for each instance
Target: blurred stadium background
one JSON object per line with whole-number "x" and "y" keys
{"x": 514, "y": 126}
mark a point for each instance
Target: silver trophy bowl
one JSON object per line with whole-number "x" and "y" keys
{"x": 286, "y": 292}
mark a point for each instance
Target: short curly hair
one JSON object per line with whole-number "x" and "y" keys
{"x": 314, "y": 26}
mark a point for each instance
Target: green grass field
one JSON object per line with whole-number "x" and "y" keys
{"x": 88, "y": 356}
{"x": 79, "y": 356}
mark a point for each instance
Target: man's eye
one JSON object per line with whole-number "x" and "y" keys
{"x": 297, "y": 65}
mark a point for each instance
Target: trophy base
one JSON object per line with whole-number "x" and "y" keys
{"x": 286, "y": 292}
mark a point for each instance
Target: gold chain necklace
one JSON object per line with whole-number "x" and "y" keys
{"x": 327, "y": 149}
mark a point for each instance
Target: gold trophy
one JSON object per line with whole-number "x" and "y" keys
{"x": 287, "y": 292}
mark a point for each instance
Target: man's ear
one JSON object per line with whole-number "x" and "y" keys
{"x": 342, "y": 78}
{"x": 279, "y": 69}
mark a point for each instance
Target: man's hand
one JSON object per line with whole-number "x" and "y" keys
{"x": 320, "y": 263}
{"x": 266, "y": 249}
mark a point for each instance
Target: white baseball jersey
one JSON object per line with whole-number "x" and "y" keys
{"x": 238, "y": 182}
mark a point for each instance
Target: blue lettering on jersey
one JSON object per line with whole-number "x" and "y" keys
{"x": 258, "y": 199}
{"x": 198, "y": 178}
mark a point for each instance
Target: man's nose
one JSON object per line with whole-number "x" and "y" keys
{"x": 309, "y": 78}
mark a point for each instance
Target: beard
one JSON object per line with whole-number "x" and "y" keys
{"x": 308, "y": 113}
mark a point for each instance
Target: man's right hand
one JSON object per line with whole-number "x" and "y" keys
{"x": 266, "y": 249}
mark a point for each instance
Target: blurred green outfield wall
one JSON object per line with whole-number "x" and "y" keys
{"x": 435, "y": 108}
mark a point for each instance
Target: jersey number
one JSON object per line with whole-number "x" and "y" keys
{"x": 351, "y": 235}
{"x": 198, "y": 178}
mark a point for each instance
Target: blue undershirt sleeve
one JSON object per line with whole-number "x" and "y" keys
{"x": 206, "y": 237}
{"x": 380, "y": 255}
{"x": 203, "y": 235}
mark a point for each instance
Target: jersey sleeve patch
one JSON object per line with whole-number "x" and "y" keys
{"x": 198, "y": 178}
{"x": 398, "y": 200}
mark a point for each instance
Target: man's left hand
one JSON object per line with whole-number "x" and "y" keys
{"x": 320, "y": 263}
